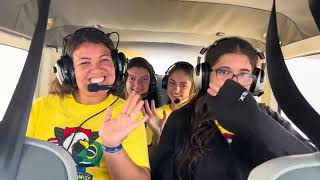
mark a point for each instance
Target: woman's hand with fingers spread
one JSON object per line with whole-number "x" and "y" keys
{"x": 114, "y": 131}
{"x": 155, "y": 123}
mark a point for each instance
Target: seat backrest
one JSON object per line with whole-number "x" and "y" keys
{"x": 294, "y": 167}
{"x": 162, "y": 93}
{"x": 43, "y": 160}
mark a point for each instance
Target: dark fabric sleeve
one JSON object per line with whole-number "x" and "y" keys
{"x": 286, "y": 124}
{"x": 163, "y": 168}
{"x": 236, "y": 110}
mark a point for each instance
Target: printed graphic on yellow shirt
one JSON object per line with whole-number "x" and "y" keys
{"x": 81, "y": 144}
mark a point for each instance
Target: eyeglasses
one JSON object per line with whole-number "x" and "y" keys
{"x": 243, "y": 78}
{"x": 181, "y": 85}
{"x": 143, "y": 80}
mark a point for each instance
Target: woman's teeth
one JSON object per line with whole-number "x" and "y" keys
{"x": 96, "y": 80}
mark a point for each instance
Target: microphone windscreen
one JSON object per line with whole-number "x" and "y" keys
{"x": 93, "y": 87}
{"x": 177, "y": 101}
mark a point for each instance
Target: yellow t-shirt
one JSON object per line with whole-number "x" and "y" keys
{"x": 56, "y": 119}
{"x": 159, "y": 112}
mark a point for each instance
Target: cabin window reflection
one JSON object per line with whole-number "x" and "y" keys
{"x": 304, "y": 72}
{"x": 11, "y": 64}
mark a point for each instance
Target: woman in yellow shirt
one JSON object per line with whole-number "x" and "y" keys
{"x": 73, "y": 115}
{"x": 179, "y": 83}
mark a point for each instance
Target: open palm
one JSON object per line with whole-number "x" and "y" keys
{"x": 154, "y": 121}
{"x": 114, "y": 131}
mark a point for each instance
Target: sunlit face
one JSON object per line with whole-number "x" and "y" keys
{"x": 93, "y": 64}
{"x": 231, "y": 64}
{"x": 138, "y": 81}
{"x": 179, "y": 86}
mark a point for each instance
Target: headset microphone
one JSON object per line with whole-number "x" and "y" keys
{"x": 94, "y": 87}
{"x": 177, "y": 101}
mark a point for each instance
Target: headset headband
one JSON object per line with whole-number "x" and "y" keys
{"x": 259, "y": 53}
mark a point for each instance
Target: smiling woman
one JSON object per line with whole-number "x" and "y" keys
{"x": 73, "y": 117}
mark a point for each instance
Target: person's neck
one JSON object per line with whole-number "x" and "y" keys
{"x": 89, "y": 100}
{"x": 174, "y": 106}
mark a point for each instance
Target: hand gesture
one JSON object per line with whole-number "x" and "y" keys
{"x": 114, "y": 131}
{"x": 155, "y": 123}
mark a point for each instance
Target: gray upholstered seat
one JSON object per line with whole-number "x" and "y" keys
{"x": 296, "y": 167}
{"x": 43, "y": 160}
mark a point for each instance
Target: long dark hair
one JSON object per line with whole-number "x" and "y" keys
{"x": 202, "y": 128}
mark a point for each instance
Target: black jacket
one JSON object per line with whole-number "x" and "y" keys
{"x": 254, "y": 142}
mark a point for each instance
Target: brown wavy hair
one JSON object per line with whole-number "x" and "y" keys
{"x": 71, "y": 44}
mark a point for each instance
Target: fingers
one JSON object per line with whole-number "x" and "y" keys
{"x": 108, "y": 114}
{"x": 153, "y": 106}
{"x": 136, "y": 110}
{"x": 147, "y": 107}
{"x": 211, "y": 92}
{"x": 144, "y": 111}
{"x": 133, "y": 103}
{"x": 137, "y": 124}
{"x": 125, "y": 107}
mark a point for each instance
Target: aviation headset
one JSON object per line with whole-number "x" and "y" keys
{"x": 64, "y": 69}
{"x": 187, "y": 66}
{"x": 202, "y": 70}
{"x": 140, "y": 62}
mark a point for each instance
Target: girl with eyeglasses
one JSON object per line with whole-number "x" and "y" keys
{"x": 223, "y": 133}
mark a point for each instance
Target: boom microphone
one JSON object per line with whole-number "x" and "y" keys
{"x": 94, "y": 87}
{"x": 178, "y": 100}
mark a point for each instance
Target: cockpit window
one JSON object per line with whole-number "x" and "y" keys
{"x": 11, "y": 65}
{"x": 305, "y": 73}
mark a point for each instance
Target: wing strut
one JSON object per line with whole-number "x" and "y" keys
{"x": 314, "y": 6}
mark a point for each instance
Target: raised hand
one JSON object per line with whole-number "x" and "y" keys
{"x": 155, "y": 123}
{"x": 114, "y": 131}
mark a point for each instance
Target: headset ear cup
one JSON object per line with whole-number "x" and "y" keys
{"x": 64, "y": 71}
{"x": 125, "y": 77}
{"x": 70, "y": 75}
{"x": 119, "y": 60}
{"x": 153, "y": 82}
{"x": 256, "y": 87}
{"x": 59, "y": 72}
{"x": 197, "y": 76}
{"x": 202, "y": 77}
{"x": 165, "y": 82}
{"x": 205, "y": 76}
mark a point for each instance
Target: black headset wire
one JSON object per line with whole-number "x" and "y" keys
{"x": 78, "y": 128}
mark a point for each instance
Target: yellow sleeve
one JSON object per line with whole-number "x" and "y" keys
{"x": 33, "y": 119}
{"x": 136, "y": 146}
